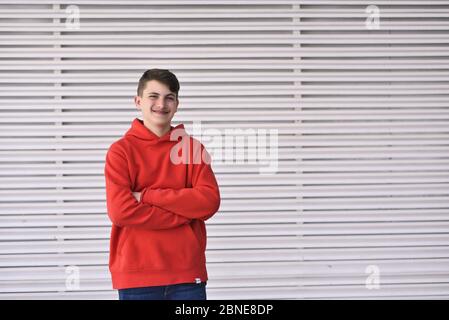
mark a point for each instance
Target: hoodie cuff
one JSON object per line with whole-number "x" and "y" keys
{"x": 146, "y": 197}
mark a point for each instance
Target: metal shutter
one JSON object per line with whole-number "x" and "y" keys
{"x": 362, "y": 115}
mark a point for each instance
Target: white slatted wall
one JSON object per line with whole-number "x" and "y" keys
{"x": 363, "y": 128}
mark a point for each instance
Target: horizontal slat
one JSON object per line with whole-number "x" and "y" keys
{"x": 348, "y": 89}
{"x": 283, "y": 153}
{"x": 88, "y": 143}
{"x": 281, "y": 127}
{"x": 256, "y": 270}
{"x": 241, "y": 217}
{"x": 404, "y": 63}
{"x": 238, "y": 115}
{"x": 262, "y": 283}
{"x": 220, "y": 256}
{"x": 307, "y": 103}
{"x": 97, "y": 168}
{"x": 228, "y": 2}
{"x": 236, "y": 293}
{"x": 14, "y": 78}
{"x": 283, "y": 204}
{"x": 138, "y": 52}
{"x": 229, "y": 12}
{"x": 279, "y": 293}
{"x": 329, "y": 178}
{"x": 213, "y": 243}
{"x": 243, "y": 192}
{"x": 247, "y": 26}
{"x": 222, "y": 39}
{"x": 309, "y": 229}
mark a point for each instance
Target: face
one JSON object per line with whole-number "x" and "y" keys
{"x": 158, "y": 104}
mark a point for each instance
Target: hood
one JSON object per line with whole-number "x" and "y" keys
{"x": 139, "y": 131}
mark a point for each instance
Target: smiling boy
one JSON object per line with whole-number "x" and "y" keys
{"x": 158, "y": 206}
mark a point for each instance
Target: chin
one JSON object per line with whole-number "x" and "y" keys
{"x": 159, "y": 122}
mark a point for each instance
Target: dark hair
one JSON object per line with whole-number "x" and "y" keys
{"x": 162, "y": 75}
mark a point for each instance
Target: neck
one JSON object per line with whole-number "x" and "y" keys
{"x": 157, "y": 130}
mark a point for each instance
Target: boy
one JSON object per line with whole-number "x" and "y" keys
{"x": 158, "y": 204}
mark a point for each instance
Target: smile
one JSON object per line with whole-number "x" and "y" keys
{"x": 160, "y": 112}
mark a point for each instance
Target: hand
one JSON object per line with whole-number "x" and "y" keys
{"x": 137, "y": 195}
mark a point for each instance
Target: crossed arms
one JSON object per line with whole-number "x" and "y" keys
{"x": 158, "y": 208}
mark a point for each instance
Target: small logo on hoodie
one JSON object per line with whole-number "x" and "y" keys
{"x": 197, "y": 280}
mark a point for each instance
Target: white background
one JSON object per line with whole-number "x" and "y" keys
{"x": 359, "y": 207}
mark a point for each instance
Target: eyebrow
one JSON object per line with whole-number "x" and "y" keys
{"x": 170, "y": 94}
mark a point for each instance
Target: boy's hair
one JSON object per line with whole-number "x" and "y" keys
{"x": 162, "y": 75}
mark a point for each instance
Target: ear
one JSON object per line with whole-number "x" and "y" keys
{"x": 137, "y": 101}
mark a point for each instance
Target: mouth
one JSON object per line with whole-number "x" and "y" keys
{"x": 160, "y": 112}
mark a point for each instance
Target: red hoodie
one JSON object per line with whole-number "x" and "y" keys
{"x": 160, "y": 240}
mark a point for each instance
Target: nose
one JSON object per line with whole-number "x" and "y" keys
{"x": 159, "y": 103}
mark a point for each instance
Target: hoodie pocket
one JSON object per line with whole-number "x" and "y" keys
{"x": 160, "y": 250}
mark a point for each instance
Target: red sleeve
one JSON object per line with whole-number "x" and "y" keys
{"x": 201, "y": 201}
{"x": 123, "y": 208}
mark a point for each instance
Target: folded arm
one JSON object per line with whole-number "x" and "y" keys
{"x": 201, "y": 201}
{"x": 123, "y": 209}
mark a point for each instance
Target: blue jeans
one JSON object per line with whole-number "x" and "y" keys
{"x": 180, "y": 291}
